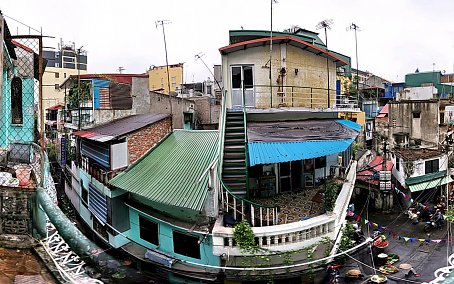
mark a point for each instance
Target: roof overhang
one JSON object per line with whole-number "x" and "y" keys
{"x": 430, "y": 184}
{"x": 280, "y": 40}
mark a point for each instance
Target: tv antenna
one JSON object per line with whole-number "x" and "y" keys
{"x": 326, "y": 24}
{"x": 354, "y": 27}
{"x": 121, "y": 69}
{"x": 199, "y": 56}
{"x": 162, "y": 23}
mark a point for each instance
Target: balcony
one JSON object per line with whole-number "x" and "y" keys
{"x": 294, "y": 235}
{"x": 261, "y": 97}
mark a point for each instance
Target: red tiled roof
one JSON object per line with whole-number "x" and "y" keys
{"x": 373, "y": 167}
{"x": 289, "y": 39}
{"x": 384, "y": 111}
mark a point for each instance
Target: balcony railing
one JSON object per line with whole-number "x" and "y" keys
{"x": 266, "y": 96}
{"x": 295, "y": 235}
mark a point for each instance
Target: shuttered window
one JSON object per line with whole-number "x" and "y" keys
{"x": 97, "y": 203}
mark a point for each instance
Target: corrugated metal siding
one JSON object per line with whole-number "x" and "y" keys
{"x": 430, "y": 184}
{"x": 278, "y": 152}
{"x": 170, "y": 173}
{"x": 97, "y": 203}
{"x": 97, "y": 151}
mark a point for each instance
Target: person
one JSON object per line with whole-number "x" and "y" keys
{"x": 413, "y": 216}
{"x": 437, "y": 218}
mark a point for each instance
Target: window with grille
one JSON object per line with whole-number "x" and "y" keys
{"x": 16, "y": 101}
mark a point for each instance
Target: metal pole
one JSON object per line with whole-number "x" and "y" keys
{"x": 327, "y": 66}
{"x": 41, "y": 110}
{"x": 271, "y": 54}
{"x": 167, "y": 68}
{"x": 357, "y": 70}
{"x": 78, "y": 90}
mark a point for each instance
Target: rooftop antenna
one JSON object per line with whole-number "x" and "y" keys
{"x": 199, "y": 56}
{"x": 355, "y": 27}
{"x": 120, "y": 69}
{"x": 326, "y": 24}
{"x": 162, "y": 23}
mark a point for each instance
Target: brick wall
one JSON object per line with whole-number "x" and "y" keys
{"x": 141, "y": 141}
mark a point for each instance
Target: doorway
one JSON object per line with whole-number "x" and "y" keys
{"x": 242, "y": 85}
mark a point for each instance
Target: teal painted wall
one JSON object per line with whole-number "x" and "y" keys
{"x": 166, "y": 241}
{"x": 17, "y": 133}
{"x": 417, "y": 79}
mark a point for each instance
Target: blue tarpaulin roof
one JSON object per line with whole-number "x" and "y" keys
{"x": 277, "y": 152}
{"x": 350, "y": 124}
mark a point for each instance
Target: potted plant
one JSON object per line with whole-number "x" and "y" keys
{"x": 330, "y": 196}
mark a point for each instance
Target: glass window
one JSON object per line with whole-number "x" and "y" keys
{"x": 149, "y": 230}
{"x": 64, "y": 75}
{"x": 416, "y": 115}
{"x": 57, "y": 75}
{"x": 431, "y": 166}
{"x": 16, "y": 100}
{"x": 174, "y": 79}
{"x": 236, "y": 77}
{"x": 185, "y": 244}
{"x": 247, "y": 80}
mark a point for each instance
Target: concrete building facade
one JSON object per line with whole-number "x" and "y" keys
{"x": 158, "y": 79}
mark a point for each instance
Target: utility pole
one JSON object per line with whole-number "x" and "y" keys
{"x": 326, "y": 24}
{"x": 271, "y": 53}
{"x": 162, "y": 23}
{"x": 355, "y": 27}
{"x": 78, "y": 88}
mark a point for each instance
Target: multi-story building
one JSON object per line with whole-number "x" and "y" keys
{"x": 61, "y": 63}
{"x": 158, "y": 79}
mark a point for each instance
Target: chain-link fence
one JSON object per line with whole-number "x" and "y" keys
{"x": 21, "y": 167}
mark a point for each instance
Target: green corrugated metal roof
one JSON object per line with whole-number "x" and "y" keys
{"x": 430, "y": 184}
{"x": 170, "y": 173}
{"x": 424, "y": 178}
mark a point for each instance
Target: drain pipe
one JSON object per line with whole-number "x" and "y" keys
{"x": 79, "y": 243}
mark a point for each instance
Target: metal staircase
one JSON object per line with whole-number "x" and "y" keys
{"x": 234, "y": 168}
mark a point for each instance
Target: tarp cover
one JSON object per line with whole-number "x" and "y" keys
{"x": 298, "y": 131}
{"x": 285, "y": 141}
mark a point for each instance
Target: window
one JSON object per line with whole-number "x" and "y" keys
{"x": 174, "y": 84}
{"x": 84, "y": 194}
{"x": 162, "y": 80}
{"x": 320, "y": 162}
{"x": 57, "y": 64}
{"x": 57, "y": 75}
{"x": 236, "y": 77}
{"x": 416, "y": 115}
{"x": 173, "y": 79}
{"x": 397, "y": 163}
{"x": 149, "y": 231}
{"x": 57, "y": 86}
{"x": 64, "y": 75}
{"x": 187, "y": 245}
{"x": 16, "y": 100}
{"x": 432, "y": 166}
{"x": 57, "y": 55}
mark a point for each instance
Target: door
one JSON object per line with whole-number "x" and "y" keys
{"x": 242, "y": 85}
{"x": 285, "y": 177}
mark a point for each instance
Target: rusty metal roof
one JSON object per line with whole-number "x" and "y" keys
{"x": 412, "y": 154}
{"x": 120, "y": 127}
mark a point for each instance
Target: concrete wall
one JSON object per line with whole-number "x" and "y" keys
{"x": 401, "y": 119}
{"x": 418, "y": 167}
{"x": 158, "y": 78}
{"x": 160, "y": 103}
{"x": 312, "y": 70}
{"x": 206, "y": 113}
{"x": 417, "y": 93}
{"x": 141, "y": 141}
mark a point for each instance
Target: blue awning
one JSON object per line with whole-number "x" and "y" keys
{"x": 277, "y": 152}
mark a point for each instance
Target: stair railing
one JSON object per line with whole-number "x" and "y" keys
{"x": 266, "y": 215}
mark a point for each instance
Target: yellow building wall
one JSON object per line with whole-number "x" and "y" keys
{"x": 52, "y": 95}
{"x": 358, "y": 117}
{"x": 157, "y": 78}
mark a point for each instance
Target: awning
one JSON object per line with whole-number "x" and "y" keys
{"x": 430, "y": 184}
{"x": 278, "y": 152}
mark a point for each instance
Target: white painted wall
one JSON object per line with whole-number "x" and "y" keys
{"x": 417, "y": 93}
{"x": 419, "y": 167}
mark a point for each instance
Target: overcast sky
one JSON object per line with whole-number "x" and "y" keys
{"x": 396, "y": 37}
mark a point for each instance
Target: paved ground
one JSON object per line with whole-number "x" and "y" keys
{"x": 424, "y": 257}
{"x": 22, "y": 266}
